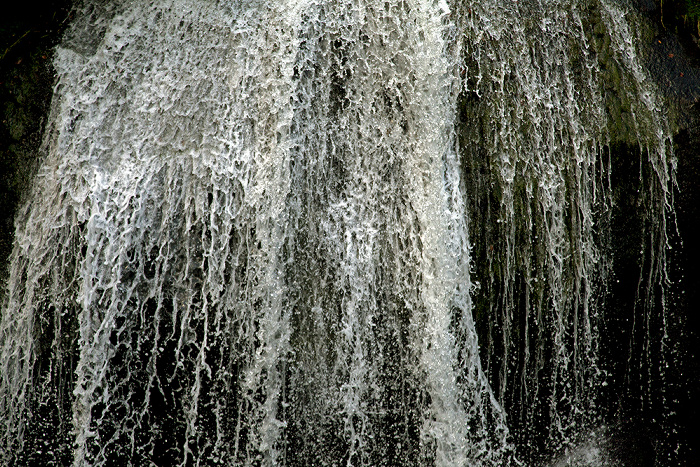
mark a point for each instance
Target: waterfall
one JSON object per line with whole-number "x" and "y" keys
{"x": 541, "y": 118}
{"x": 311, "y": 232}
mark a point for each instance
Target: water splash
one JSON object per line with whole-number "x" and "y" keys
{"x": 250, "y": 216}
{"x": 550, "y": 89}
{"x": 248, "y": 241}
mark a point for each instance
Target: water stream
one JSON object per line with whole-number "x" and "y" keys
{"x": 254, "y": 236}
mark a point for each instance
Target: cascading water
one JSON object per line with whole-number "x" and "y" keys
{"x": 248, "y": 240}
{"x": 551, "y": 89}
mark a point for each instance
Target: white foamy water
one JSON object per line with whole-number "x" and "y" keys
{"x": 248, "y": 243}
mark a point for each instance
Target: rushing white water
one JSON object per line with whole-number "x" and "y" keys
{"x": 248, "y": 241}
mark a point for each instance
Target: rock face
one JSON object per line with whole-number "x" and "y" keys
{"x": 651, "y": 410}
{"x": 673, "y": 61}
{"x": 28, "y": 36}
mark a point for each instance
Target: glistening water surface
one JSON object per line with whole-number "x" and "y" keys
{"x": 253, "y": 235}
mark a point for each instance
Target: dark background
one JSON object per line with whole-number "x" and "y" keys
{"x": 29, "y": 31}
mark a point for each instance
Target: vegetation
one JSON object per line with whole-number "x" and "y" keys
{"x": 681, "y": 17}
